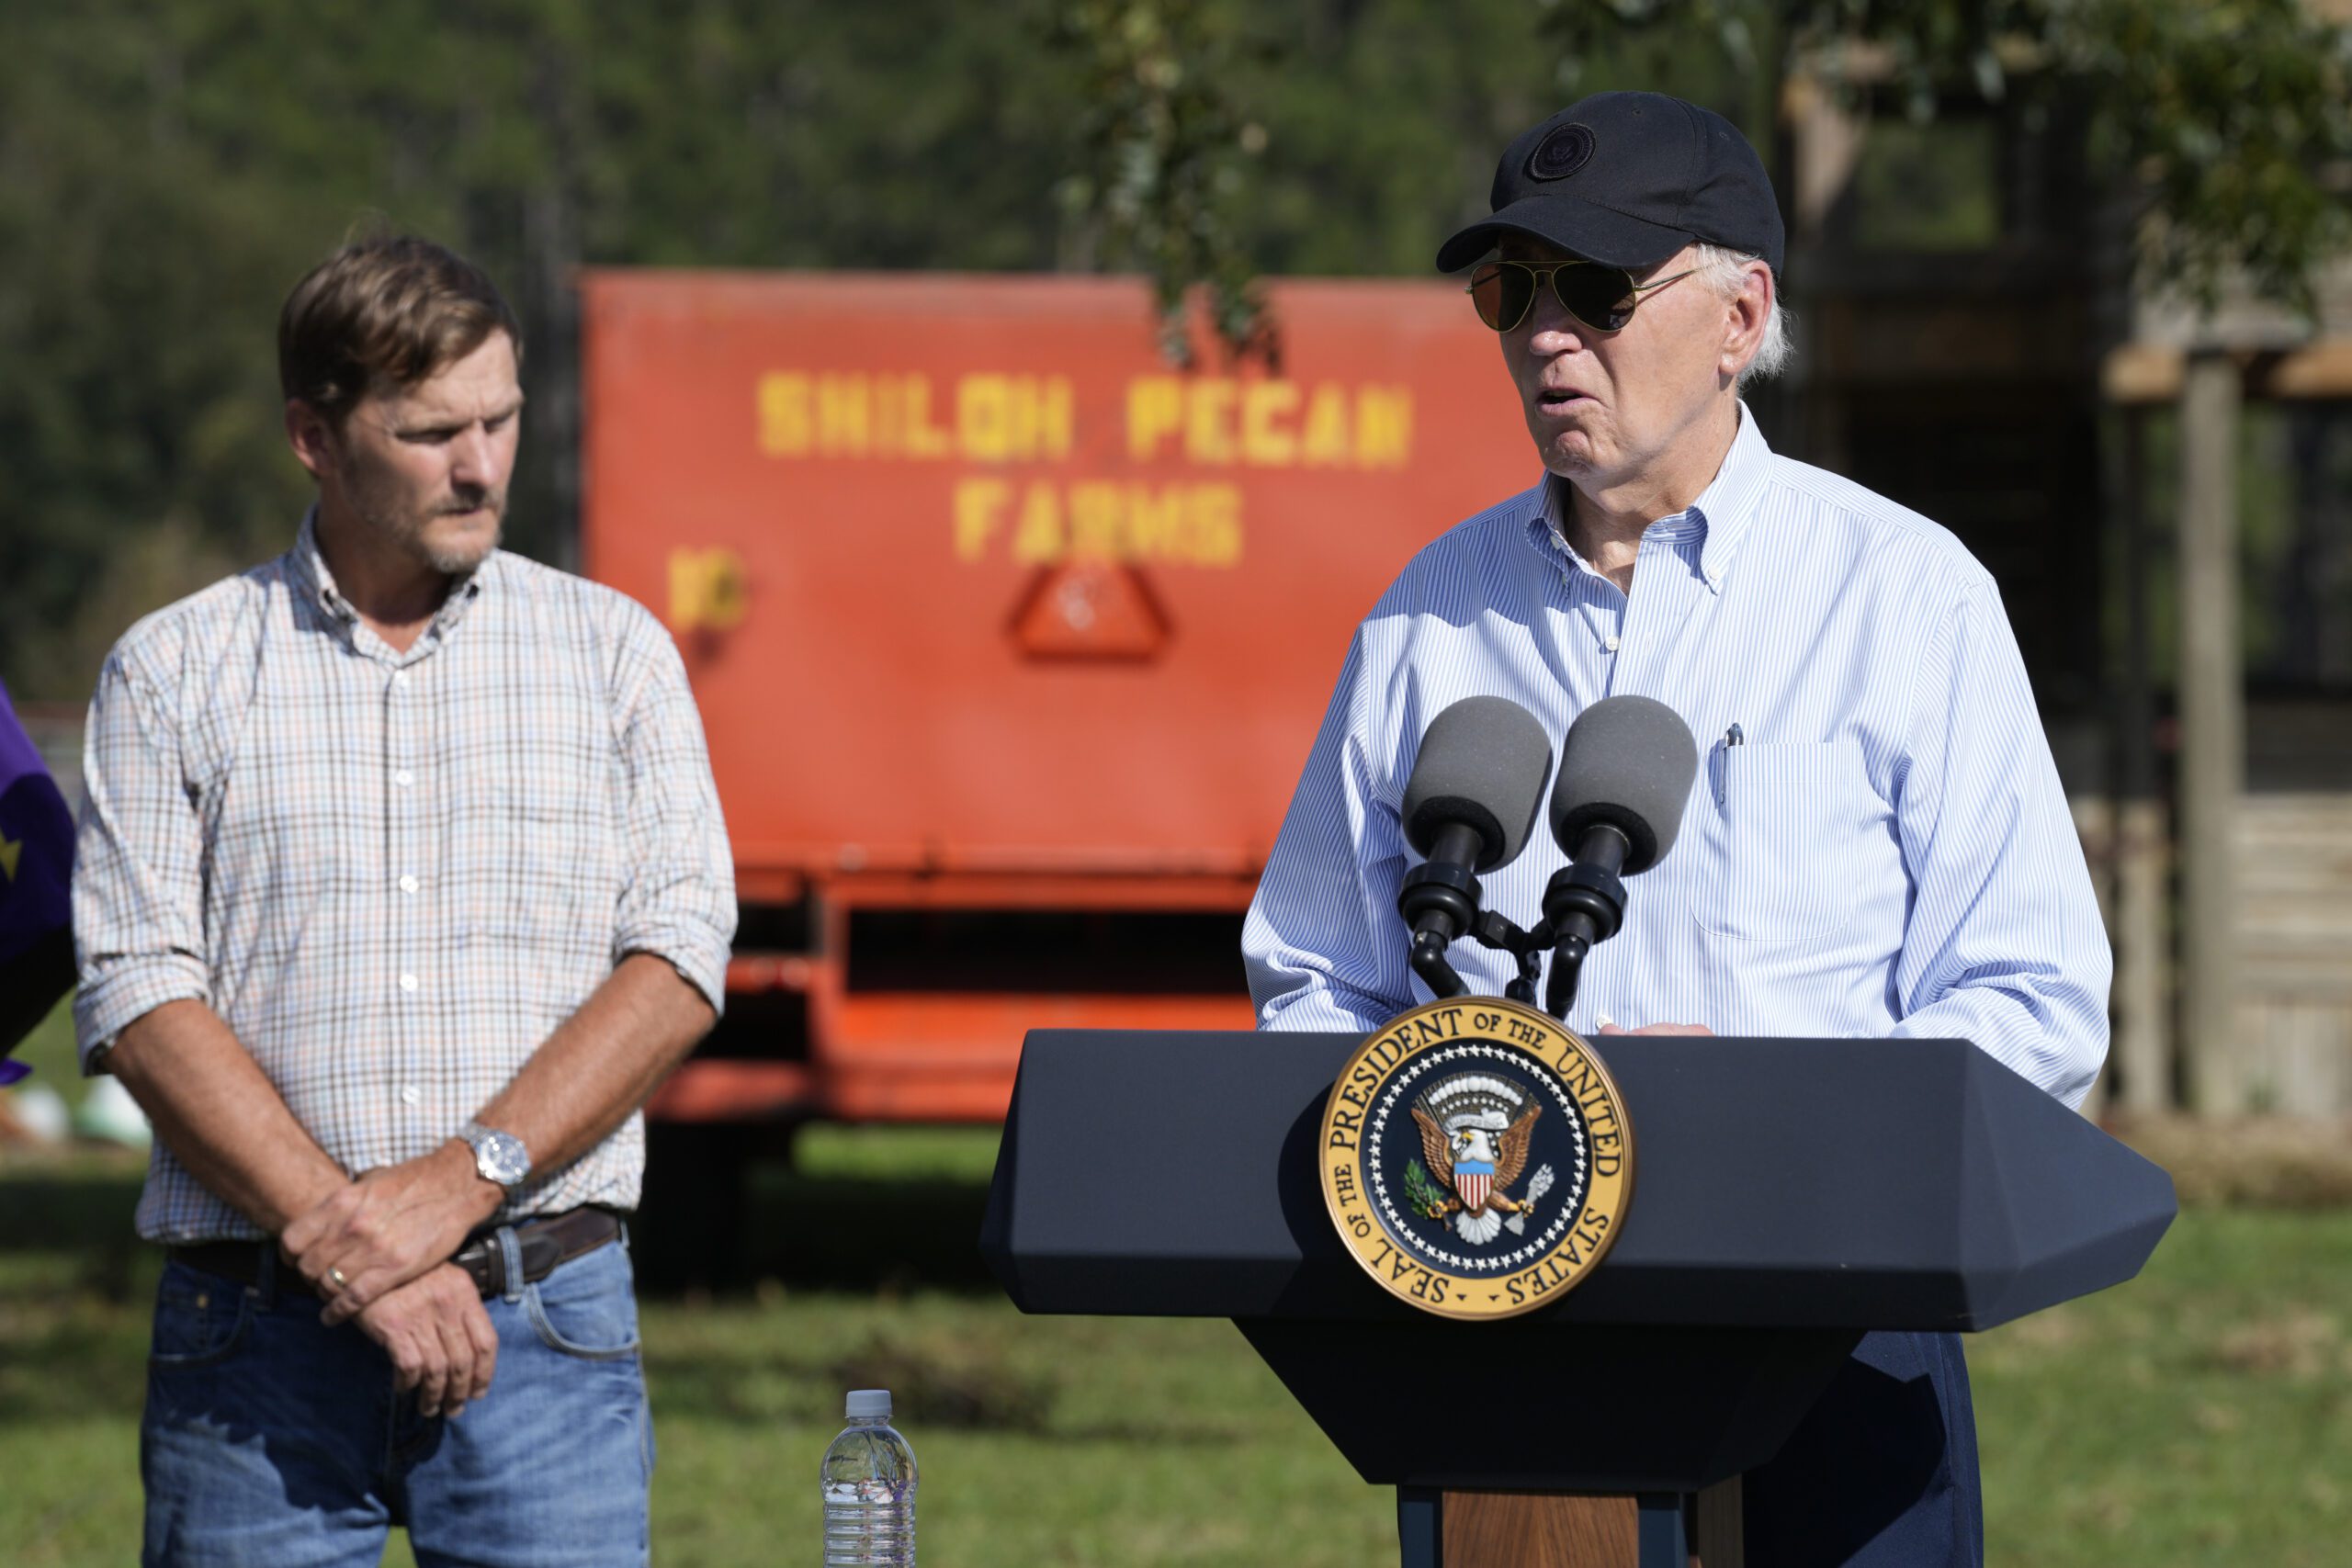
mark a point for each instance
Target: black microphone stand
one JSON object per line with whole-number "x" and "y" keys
{"x": 1495, "y": 931}
{"x": 1439, "y": 900}
{"x": 1584, "y": 905}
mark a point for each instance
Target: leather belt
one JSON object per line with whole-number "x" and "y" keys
{"x": 546, "y": 1243}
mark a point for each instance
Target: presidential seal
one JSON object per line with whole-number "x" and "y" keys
{"x": 1476, "y": 1158}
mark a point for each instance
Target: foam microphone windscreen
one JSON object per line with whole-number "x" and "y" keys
{"x": 1627, "y": 763}
{"x": 1483, "y": 763}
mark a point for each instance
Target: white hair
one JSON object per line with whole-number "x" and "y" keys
{"x": 1725, "y": 271}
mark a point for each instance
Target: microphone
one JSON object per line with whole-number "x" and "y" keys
{"x": 1468, "y": 807}
{"x": 1625, "y": 774}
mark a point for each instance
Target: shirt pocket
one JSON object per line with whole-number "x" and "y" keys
{"x": 1789, "y": 818}
{"x": 536, "y": 843}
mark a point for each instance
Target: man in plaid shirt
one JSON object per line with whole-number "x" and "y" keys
{"x": 401, "y": 884}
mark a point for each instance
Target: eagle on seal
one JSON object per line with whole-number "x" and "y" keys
{"x": 1476, "y": 1147}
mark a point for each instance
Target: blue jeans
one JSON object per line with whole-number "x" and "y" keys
{"x": 272, "y": 1440}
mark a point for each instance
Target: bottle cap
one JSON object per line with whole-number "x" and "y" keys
{"x": 867, "y": 1403}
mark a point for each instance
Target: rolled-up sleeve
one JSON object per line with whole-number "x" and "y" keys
{"x": 2004, "y": 945}
{"x": 138, "y": 863}
{"x": 678, "y": 901}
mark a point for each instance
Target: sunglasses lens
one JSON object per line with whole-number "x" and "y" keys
{"x": 1601, "y": 296}
{"x": 1500, "y": 294}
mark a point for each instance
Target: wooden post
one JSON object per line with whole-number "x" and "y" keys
{"x": 1722, "y": 1534}
{"x": 2142, "y": 957}
{"x": 1550, "y": 1529}
{"x": 2213, "y": 739}
{"x": 2143, "y": 931}
{"x": 1537, "y": 1529}
{"x": 2096, "y": 819}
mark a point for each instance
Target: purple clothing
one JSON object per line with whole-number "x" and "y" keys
{"x": 36, "y": 841}
{"x": 36, "y": 867}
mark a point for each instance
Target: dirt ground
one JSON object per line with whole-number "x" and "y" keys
{"x": 2263, "y": 1161}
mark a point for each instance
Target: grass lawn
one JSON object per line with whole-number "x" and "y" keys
{"x": 2202, "y": 1415}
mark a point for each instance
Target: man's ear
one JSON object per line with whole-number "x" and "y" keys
{"x": 1744, "y": 315}
{"x": 312, "y": 439}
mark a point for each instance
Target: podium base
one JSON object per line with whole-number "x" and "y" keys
{"x": 1545, "y": 1529}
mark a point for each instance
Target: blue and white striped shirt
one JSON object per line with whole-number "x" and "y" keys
{"x": 1888, "y": 851}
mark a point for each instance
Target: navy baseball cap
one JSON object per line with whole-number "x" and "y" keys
{"x": 1627, "y": 179}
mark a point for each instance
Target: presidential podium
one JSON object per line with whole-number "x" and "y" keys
{"x": 1789, "y": 1195}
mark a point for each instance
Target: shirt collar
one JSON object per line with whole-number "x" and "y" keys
{"x": 1720, "y": 517}
{"x": 308, "y": 570}
{"x": 314, "y": 583}
{"x": 1728, "y": 505}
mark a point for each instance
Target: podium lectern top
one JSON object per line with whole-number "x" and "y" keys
{"x": 1814, "y": 1184}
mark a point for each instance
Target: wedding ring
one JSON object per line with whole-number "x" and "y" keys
{"x": 337, "y": 1276}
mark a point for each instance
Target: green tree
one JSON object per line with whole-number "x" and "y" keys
{"x": 1384, "y": 117}
{"x": 166, "y": 173}
{"x": 1162, "y": 140}
{"x": 2228, "y": 118}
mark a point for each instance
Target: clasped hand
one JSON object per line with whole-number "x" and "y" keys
{"x": 439, "y": 1338}
{"x": 377, "y": 1251}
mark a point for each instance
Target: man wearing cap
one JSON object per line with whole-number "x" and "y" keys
{"x": 1877, "y": 844}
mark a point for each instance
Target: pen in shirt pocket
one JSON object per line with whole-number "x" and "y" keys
{"x": 1732, "y": 736}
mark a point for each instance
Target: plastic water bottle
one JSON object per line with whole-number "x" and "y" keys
{"x": 870, "y": 1480}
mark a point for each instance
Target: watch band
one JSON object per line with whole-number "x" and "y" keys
{"x": 499, "y": 1157}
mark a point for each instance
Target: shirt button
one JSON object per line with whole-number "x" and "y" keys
{"x": 408, "y": 982}
{"x": 399, "y": 678}
{"x": 408, "y": 884}
{"x": 1611, "y": 644}
{"x": 411, "y": 1094}
{"x": 403, "y": 777}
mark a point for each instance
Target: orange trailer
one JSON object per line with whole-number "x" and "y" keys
{"x": 1009, "y": 638}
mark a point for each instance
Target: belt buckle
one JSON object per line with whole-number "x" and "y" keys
{"x": 480, "y": 1259}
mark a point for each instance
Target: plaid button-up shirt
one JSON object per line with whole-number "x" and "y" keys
{"x": 392, "y": 875}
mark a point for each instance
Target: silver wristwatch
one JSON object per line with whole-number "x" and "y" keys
{"x": 499, "y": 1157}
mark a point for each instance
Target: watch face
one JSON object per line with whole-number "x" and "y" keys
{"x": 500, "y": 1158}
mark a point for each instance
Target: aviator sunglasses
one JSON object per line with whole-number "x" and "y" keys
{"x": 1603, "y": 298}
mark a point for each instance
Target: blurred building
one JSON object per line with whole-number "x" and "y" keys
{"x": 2165, "y": 498}
{"x": 2234, "y": 437}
